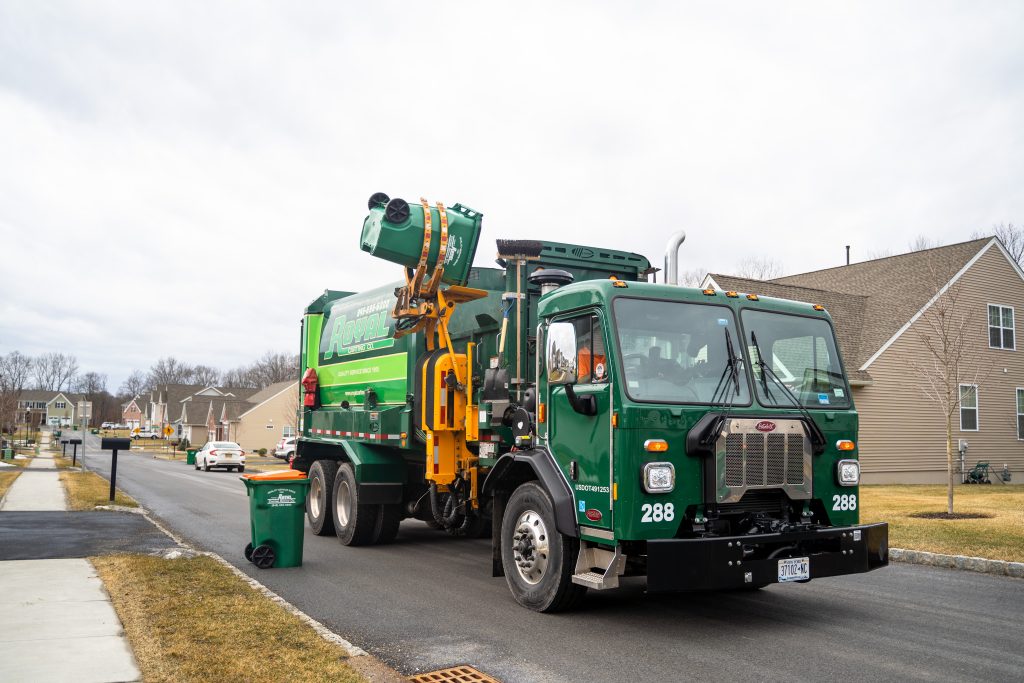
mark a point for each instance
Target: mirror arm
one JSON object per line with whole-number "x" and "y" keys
{"x": 584, "y": 405}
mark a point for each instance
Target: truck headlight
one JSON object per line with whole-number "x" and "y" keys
{"x": 848, "y": 472}
{"x": 659, "y": 477}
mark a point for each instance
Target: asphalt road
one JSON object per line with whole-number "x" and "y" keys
{"x": 428, "y": 601}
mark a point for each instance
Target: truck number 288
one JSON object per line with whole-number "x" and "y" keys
{"x": 658, "y": 512}
{"x": 844, "y": 502}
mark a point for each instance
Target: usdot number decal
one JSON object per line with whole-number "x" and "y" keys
{"x": 658, "y": 512}
{"x": 844, "y": 502}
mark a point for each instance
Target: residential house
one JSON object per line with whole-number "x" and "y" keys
{"x": 881, "y": 310}
{"x": 132, "y": 412}
{"x": 52, "y": 408}
{"x": 208, "y": 414}
{"x": 271, "y": 416}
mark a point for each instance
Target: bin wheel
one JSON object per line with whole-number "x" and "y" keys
{"x": 248, "y": 551}
{"x": 263, "y": 556}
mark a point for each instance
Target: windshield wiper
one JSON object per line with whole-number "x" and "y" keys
{"x": 813, "y": 431}
{"x": 729, "y": 396}
{"x": 761, "y": 364}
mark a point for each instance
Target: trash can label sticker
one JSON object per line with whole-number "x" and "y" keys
{"x": 280, "y": 498}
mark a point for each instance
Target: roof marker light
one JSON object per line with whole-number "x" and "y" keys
{"x": 753, "y": 297}
{"x": 732, "y": 295}
{"x": 709, "y": 292}
{"x": 818, "y": 307}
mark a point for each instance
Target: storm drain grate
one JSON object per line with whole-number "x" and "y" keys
{"x": 456, "y": 674}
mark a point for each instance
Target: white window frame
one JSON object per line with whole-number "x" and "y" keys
{"x": 976, "y": 408}
{"x": 989, "y": 326}
{"x": 1016, "y": 409}
{"x": 60, "y": 405}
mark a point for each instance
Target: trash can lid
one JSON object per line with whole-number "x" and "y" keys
{"x": 277, "y": 475}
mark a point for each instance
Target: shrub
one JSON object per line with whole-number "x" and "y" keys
{"x": 262, "y": 451}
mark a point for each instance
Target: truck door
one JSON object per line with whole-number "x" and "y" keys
{"x": 582, "y": 443}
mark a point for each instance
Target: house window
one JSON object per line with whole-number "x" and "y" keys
{"x": 1000, "y": 327}
{"x": 59, "y": 405}
{"x": 968, "y": 407}
{"x": 1020, "y": 414}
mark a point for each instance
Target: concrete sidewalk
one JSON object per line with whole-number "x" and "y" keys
{"x": 57, "y": 621}
{"x": 38, "y": 488}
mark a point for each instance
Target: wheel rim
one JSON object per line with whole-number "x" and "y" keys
{"x": 344, "y": 503}
{"x": 530, "y": 547}
{"x": 315, "y": 491}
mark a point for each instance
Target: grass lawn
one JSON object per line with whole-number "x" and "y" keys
{"x": 19, "y": 462}
{"x": 1000, "y": 537}
{"x": 194, "y": 620}
{"x": 7, "y": 478}
{"x": 86, "y": 490}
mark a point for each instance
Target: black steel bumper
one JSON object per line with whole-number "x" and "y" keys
{"x": 738, "y": 561}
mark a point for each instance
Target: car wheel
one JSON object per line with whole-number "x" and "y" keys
{"x": 538, "y": 560}
{"x": 206, "y": 466}
{"x": 321, "y": 496}
{"x": 354, "y": 523}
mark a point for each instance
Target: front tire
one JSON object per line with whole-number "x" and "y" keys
{"x": 206, "y": 466}
{"x": 321, "y": 498}
{"x": 354, "y": 523}
{"x": 538, "y": 560}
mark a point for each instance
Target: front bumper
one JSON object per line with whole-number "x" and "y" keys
{"x": 738, "y": 561}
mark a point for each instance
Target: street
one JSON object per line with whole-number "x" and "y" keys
{"x": 428, "y": 601}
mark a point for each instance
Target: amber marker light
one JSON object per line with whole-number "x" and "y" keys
{"x": 753, "y": 297}
{"x": 845, "y": 445}
{"x": 732, "y": 295}
{"x": 818, "y": 307}
{"x": 615, "y": 419}
{"x": 709, "y": 292}
{"x": 655, "y": 445}
{"x": 542, "y": 412}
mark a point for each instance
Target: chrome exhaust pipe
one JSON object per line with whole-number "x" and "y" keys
{"x": 672, "y": 257}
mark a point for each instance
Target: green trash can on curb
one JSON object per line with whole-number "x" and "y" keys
{"x": 190, "y": 456}
{"x": 277, "y": 513}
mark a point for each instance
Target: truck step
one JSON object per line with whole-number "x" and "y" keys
{"x": 591, "y": 580}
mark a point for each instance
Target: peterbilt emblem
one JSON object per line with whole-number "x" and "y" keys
{"x": 765, "y": 426}
{"x": 594, "y": 515}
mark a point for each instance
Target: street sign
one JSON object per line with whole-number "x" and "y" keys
{"x": 135, "y": 431}
{"x": 168, "y": 430}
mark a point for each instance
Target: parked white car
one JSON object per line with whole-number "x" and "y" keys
{"x": 146, "y": 434}
{"x": 226, "y": 454}
{"x": 285, "y": 448}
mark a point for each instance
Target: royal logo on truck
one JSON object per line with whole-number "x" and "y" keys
{"x": 358, "y": 328}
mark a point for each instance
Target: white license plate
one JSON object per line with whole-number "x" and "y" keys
{"x": 794, "y": 569}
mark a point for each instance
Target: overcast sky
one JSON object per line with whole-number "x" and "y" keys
{"x": 182, "y": 178}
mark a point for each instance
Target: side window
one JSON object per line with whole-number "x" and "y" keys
{"x": 591, "y": 358}
{"x": 1000, "y": 327}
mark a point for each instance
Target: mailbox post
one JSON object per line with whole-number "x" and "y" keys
{"x": 64, "y": 446}
{"x": 114, "y": 444}
{"x": 75, "y": 443}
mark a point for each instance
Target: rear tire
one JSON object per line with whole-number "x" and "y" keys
{"x": 390, "y": 518}
{"x": 321, "y": 497}
{"x": 206, "y": 466}
{"x": 529, "y": 535}
{"x": 354, "y": 524}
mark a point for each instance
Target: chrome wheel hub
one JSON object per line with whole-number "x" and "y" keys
{"x": 530, "y": 547}
{"x": 344, "y": 503}
{"x": 316, "y": 491}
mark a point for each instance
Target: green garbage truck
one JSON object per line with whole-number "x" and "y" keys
{"x": 596, "y": 423}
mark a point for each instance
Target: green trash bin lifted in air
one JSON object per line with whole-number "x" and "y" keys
{"x": 277, "y": 513}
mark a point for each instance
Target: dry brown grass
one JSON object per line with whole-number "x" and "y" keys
{"x": 86, "y": 490}
{"x": 19, "y": 462}
{"x": 999, "y": 537}
{"x": 194, "y": 620}
{"x": 7, "y": 478}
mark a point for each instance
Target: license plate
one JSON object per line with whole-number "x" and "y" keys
{"x": 794, "y": 569}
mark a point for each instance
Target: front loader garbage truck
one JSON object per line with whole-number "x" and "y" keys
{"x": 594, "y": 424}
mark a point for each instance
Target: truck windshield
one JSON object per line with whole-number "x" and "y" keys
{"x": 680, "y": 353}
{"x": 801, "y": 352}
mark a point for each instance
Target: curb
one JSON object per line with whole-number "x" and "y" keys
{"x": 962, "y": 562}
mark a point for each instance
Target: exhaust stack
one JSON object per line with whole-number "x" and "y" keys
{"x": 672, "y": 257}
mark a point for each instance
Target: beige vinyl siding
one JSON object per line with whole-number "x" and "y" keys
{"x": 277, "y": 411}
{"x": 902, "y": 433}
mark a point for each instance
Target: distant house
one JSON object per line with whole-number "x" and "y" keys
{"x": 52, "y": 408}
{"x": 877, "y": 307}
{"x": 271, "y": 416}
{"x": 132, "y": 412}
{"x": 163, "y": 406}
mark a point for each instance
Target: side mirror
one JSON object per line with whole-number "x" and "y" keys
{"x": 561, "y": 354}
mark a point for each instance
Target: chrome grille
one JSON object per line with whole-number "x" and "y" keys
{"x": 753, "y": 458}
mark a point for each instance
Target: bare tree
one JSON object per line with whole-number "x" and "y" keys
{"x": 169, "y": 370}
{"x": 54, "y": 371}
{"x": 762, "y": 268}
{"x": 1010, "y": 236}
{"x": 133, "y": 385}
{"x": 692, "y": 277}
{"x": 205, "y": 375}
{"x": 272, "y": 367}
{"x": 949, "y": 335}
{"x": 922, "y": 242}
{"x": 91, "y": 383}
{"x": 15, "y": 368}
